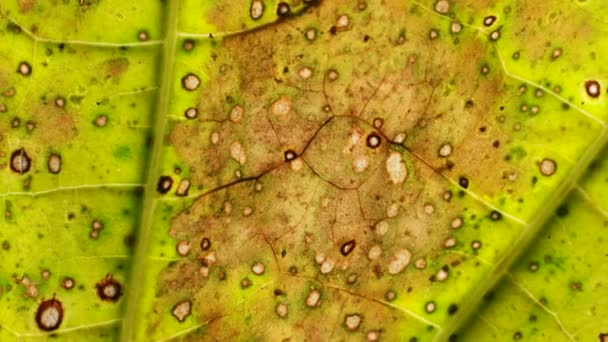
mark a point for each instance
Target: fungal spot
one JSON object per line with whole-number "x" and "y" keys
{"x": 420, "y": 264}
{"x": 20, "y": 161}
{"x": 373, "y": 140}
{"x": 400, "y": 261}
{"x": 290, "y": 155}
{"x": 429, "y": 208}
{"x": 332, "y": 75}
{"x": 257, "y": 9}
{"x": 360, "y": 164}
{"x": 245, "y": 283}
{"x": 281, "y": 107}
{"x": 352, "y": 322}
{"x": 445, "y": 150}
{"x": 495, "y": 35}
{"x": 182, "y": 188}
{"x": 143, "y": 36}
{"x": 183, "y": 248}
{"x": 54, "y": 163}
{"x": 485, "y": 70}
{"x": 283, "y": 9}
{"x": 442, "y": 274}
{"x": 452, "y": 309}
{"x": 305, "y": 73}
{"x": 67, "y": 283}
{"x": 282, "y": 310}
{"x": 395, "y": 168}
{"x": 182, "y": 310}
{"x": 556, "y": 53}
{"x": 455, "y": 27}
{"x": 489, "y": 20}
{"x": 430, "y": 307}
{"x": 378, "y": 123}
{"x": 258, "y": 268}
{"x": 433, "y": 34}
{"x": 517, "y": 336}
{"x": 45, "y": 274}
{"x": 373, "y": 336}
{"x": 205, "y": 244}
{"x": 188, "y": 45}
{"x": 313, "y": 299}
{"x": 108, "y": 289}
{"x": 191, "y": 113}
{"x": 476, "y": 245}
{"x": 24, "y": 69}
{"x": 495, "y": 215}
{"x": 348, "y": 247}
{"x": 381, "y": 228}
{"x": 164, "y": 184}
{"x": 442, "y": 6}
{"x": 190, "y": 82}
{"x": 547, "y": 167}
{"x": 390, "y": 295}
{"x": 214, "y": 138}
{"x": 310, "y": 34}
{"x": 593, "y": 88}
{"x": 533, "y": 266}
{"x": 49, "y": 315}
{"x": 327, "y": 266}
{"x": 60, "y": 102}
{"x": 449, "y": 243}
{"x": 342, "y": 22}
{"x": 463, "y": 182}
{"x": 101, "y": 120}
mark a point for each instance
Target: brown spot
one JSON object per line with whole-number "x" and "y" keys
{"x": 548, "y": 167}
{"x": 352, "y": 322}
{"x": 190, "y": 82}
{"x": 67, "y": 283}
{"x": 188, "y": 44}
{"x": 24, "y": 69}
{"x": 373, "y": 140}
{"x": 348, "y": 247}
{"x": 283, "y": 9}
{"x": 108, "y": 289}
{"x": 20, "y": 161}
{"x": 49, "y": 315}
{"x": 593, "y": 88}
{"x": 489, "y": 20}
{"x": 54, "y": 163}
{"x": 164, "y": 184}
{"x": 182, "y": 310}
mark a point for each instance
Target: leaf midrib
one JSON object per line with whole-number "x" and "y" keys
{"x": 138, "y": 265}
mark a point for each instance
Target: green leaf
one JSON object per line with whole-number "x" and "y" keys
{"x": 305, "y": 170}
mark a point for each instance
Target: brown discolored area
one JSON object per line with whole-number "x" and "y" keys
{"x": 114, "y": 68}
{"x": 26, "y": 5}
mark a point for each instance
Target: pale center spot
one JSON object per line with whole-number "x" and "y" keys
{"x": 282, "y": 106}
{"x": 442, "y": 6}
{"x": 238, "y": 152}
{"x": 313, "y": 299}
{"x": 360, "y": 164}
{"x": 400, "y": 261}
{"x": 305, "y": 73}
{"x": 396, "y": 168}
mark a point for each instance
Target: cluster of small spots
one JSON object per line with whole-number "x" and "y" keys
{"x": 108, "y": 289}
{"x": 96, "y": 227}
{"x": 49, "y": 315}
{"x": 182, "y": 310}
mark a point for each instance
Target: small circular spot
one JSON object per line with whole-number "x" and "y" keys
{"x": 305, "y": 73}
{"x": 373, "y": 140}
{"x": 489, "y": 20}
{"x": 183, "y": 248}
{"x": 548, "y": 167}
{"x": 445, "y": 150}
{"x": 143, "y": 36}
{"x": 108, "y": 289}
{"x": 258, "y": 268}
{"x": 54, "y": 163}
{"x": 430, "y": 307}
{"x": 455, "y": 27}
{"x": 101, "y": 120}
{"x": 352, "y": 322}
{"x": 191, "y": 113}
{"x": 282, "y": 310}
{"x": 24, "y": 69}
{"x": 60, "y": 102}
{"x": 533, "y": 267}
{"x": 67, "y": 283}
{"x": 495, "y": 35}
{"x": 290, "y": 155}
{"x": 457, "y": 223}
{"x": 476, "y": 245}
{"x": 463, "y": 182}
{"x": 190, "y": 82}
{"x": 593, "y": 88}
{"x": 332, "y": 75}
{"x": 348, "y": 247}
{"x": 495, "y": 215}
{"x": 556, "y": 53}
{"x": 283, "y": 9}
{"x": 313, "y": 298}
{"x": 310, "y": 34}
{"x": 442, "y": 6}
{"x": 433, "y": 34}
{"x": 188, "y": 45}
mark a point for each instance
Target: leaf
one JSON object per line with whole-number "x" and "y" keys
{"x": 314, "y": 170}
